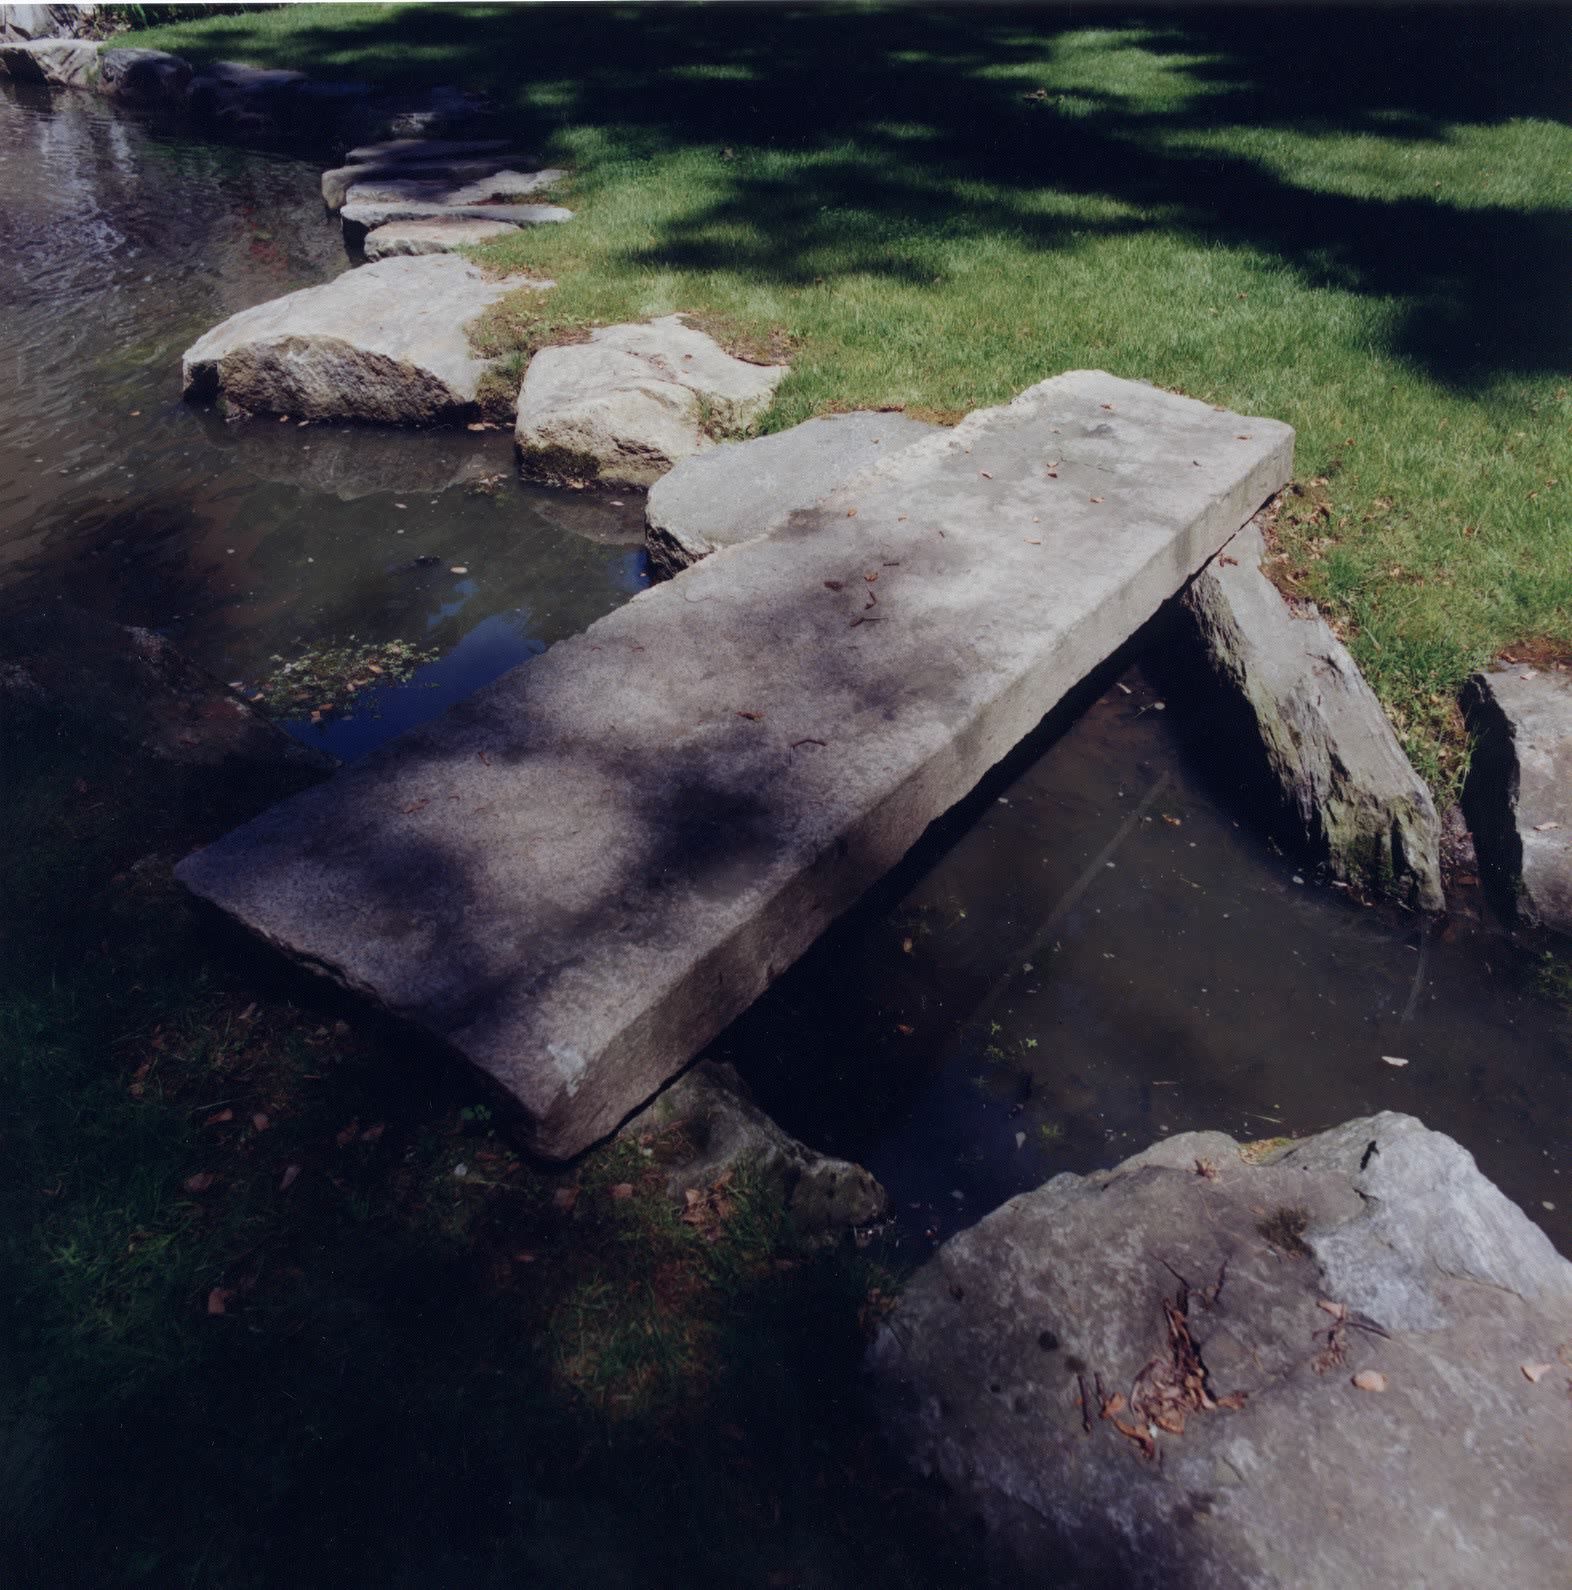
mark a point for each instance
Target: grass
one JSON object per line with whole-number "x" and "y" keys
{"x": 1355, "y": 222}
{"x": 277, "y": 1294}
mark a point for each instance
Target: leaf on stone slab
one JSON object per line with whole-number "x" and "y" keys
{"x": 1545, "y": 828}
{"x": 1234, "y": 1400}
{"x": 1338, "y": 1311}
{"x": 1534, "y": 1373}
{"x": 1370, "y": 1380}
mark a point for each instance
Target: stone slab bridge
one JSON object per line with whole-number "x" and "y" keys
{"x": 577, "y": 877}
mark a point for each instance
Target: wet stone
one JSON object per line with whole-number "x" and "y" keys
{"x": 581, "y": 874}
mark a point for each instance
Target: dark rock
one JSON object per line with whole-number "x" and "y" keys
{"x": 1222, "y": 1312}
{"x": 1518, "y": 796}
{"x": 143, "y": 77}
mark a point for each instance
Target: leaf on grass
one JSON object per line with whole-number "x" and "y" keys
{"x": 287, "y": 1180}
{"x": 623, "y": 1190}
{"x": 1234, "y": 1400}
{"x": 373, "y": 1132}
{"x": 260, "y": 1122}
{"x": 348, "y": 1134}
{"x": 1370, "y": 1380}
{"x": 219, "y": 1118}
{"x": 564, "y": 1199}
{"x": 218, "y": 1298}
{"x": 201, "y": 1182}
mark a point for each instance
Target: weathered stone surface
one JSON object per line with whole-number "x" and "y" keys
{"x": 1518, "y": 797}
{"x": 1352, "y": 798}
{"x": 705, "y": 1125}
{"x": 61, "y": 63}
{"x": 1191, "y": 1273}
{"x": 415, "y": 149}
{"x": 632, "y": 401}
{"x": 504, "y": 184}
{"x": 742, "y": 490}
{"x": 359, "y": 218}
{"x": 577, "y": 877}
{"x": 440, "y": 235}
{"x": 143, "y": 77}
{"x": 385, "y": 343}
{"x": 460, "y": 169}
{"x": 19, "y": 23}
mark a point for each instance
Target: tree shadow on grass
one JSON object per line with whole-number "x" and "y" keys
{"x": 924, "y": 123}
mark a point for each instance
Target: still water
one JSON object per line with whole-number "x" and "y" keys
{"x": 1099, "y": 949}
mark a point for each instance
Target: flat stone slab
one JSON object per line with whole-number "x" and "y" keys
{"x": 504, "y": 184}
{"x": 362, "y": 218}
{"x": 1314, "y": 1366}
{"x": 741, "y": 490}
{"x": 412, "y": 149}
{"x": 1352, "y": 799}
{"x": 630, "y": 402}
{"x": 337, "y": 182}
{"x": 1518, "y": 796}
{"x": 580, "y": 875}
{"x": 440, "y": 235}
{"x": 386, "y": 343}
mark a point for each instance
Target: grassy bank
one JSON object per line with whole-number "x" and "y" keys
{"x": 1356, "y": 221}
{"x": 279, "y": 1304}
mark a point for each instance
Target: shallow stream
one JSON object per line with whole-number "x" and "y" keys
{"x": 1097, "y": 950}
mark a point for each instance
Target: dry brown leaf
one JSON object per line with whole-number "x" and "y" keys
{"x": 200, "y": 1183}
{"x": 1094, "y": 499}
{"x": 1534, "y": 1373}
{"x": 288, "y": 1179}
{"x": 260, "y": 1122}
{"x": 1370, "y": 1380}
{"x": 564, "y": 1199}
{"x": 219, "y": 1118}
{"x": 218, "y": 1298}
{"x": 1338, "y": 1311}
{"x": 623, "y": 1189}
{"x": 752, "y": 717}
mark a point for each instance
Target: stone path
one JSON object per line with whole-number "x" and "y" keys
{"x": 577, "y": 877}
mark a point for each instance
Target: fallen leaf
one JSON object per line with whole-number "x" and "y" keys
{"x": 1370, "y": 1380}
{"x": 835, "y": 585}
{"x": 985, "y": 475}
{"x": 200, "y": 1182}
{"x": 904, "y": 1029}
{"x": 1534, "y": 1373}
{"x": 458, "y": 568}
{"x": 415, "y": 806}
{"x": 525, "y": 1256}
{"x": 260, "y": 1122}
{"x": 218, "y": 1297}
{"x": 906, "y": 946}
{"x": 752, "y": 717}
{"x": 851, "y": 513}
{"x": 373, "y": 1132}
{"x": 1545, "y": 828}
{"x": 1338, "y": 1311}
{"x": 1173, "y": 822}
{"x": 288, "y": 1179}
{"x": 623, "y": 1189}
{"x": 564, "y": 1199}
{"x": 1394, "y": 1060}
{"x": 348, "y": 1134}
{"x": 220, "y": 1118}
{"x": 870, "y": 578}
{"x": 1094, "y": 499}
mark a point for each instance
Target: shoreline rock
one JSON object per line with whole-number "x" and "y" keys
{"x": 58, "y": 63}
{"x": 1518, "y": 795}
{"x": 385, "y": 343}
{"x": 361, "y": 218}
{"x": 1331, "y": 757}
{"x": 439, "y": 235}
{"x": 742, "y": 490}
{"x": 630, "y": 402}
{"x": 1315, "y": 1364}
{"x": 705, "y": 1126}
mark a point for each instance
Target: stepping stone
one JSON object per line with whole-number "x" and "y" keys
{"x": 626, "y": 405}
{"x": 143, "y": 77}
{"x": 1518, "y": 796}
{"x": 483, "y": 190}
{"x": 337, "y": 182}
{"x": 576, "y": 878}
{"x": 1325, "y": 746}
{"x": 439, "y": 236}
{"x": 744, "y": 490}
{"x": 386, "y": 343}
{"x": 362, "y": 218}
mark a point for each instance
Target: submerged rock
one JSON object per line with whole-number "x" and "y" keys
{"x": 61, "y": 63}
{"x": 384, "y": 343}
{"x": 746, "y": 489}
{"x": 705, "y": 1126}
{"x": 1518, "y": 797}
{"x": 440, "y": 235}
{"x": 1330, "y": 751}
{"x": 630, "y": 402}
{"x": 1330, "y": 1363}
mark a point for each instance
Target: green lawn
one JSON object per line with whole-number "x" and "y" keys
{"x": 1356, "y": 221}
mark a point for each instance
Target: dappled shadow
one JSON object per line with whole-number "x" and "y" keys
{"x": 933, "y": 120}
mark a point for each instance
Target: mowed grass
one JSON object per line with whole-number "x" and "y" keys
{"x": 1355, "y": 221}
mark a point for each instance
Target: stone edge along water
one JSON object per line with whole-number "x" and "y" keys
{"x": 580, "y": 875}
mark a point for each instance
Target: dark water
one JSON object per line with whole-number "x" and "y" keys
{"x": 1100, "y": 950}
{"x": 120, "y": 243}
{"x": 1097, "y": 951}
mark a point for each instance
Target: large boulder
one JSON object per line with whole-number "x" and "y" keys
{"x": 385, "y": 343}
{"x": 1337, "y": 1363}
{"x": 704, "y": 1129}
{"x": 1332, "y": 761}
{"x": 439, "y": 235}
{"x": 143, "y": 77}
{"x": 746, "y": 489}
{"x": 20, "y": 23}
{"x": 1518, "y": 797}
{"x": 632, "y": 401}
{"x": 61, "y": 63}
